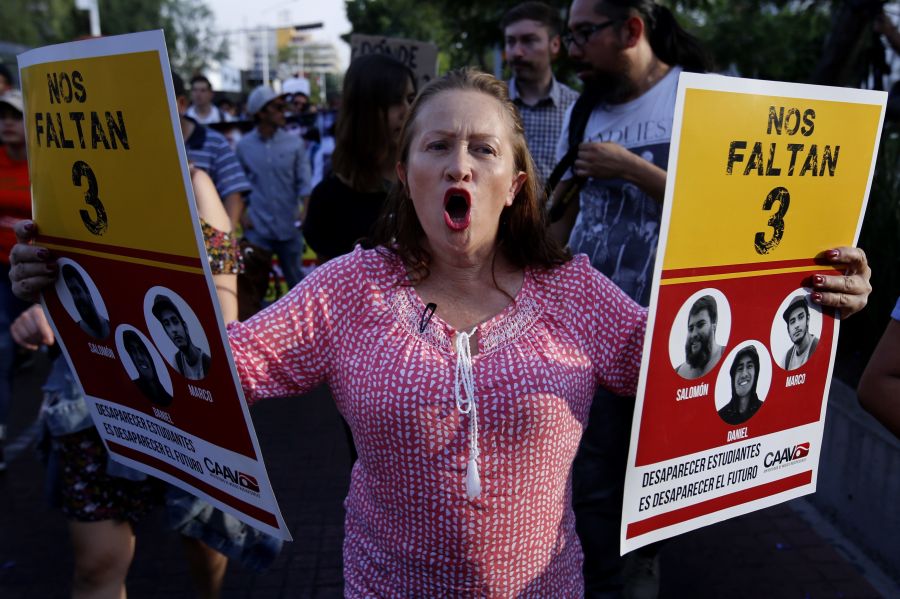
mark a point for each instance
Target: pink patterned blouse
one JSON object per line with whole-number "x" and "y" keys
{"x": 411, "y": 528}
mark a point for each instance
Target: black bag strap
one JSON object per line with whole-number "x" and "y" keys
{"x": 581, "y": 114}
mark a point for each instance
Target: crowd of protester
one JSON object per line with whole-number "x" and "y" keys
{"x": 276, "y": 173}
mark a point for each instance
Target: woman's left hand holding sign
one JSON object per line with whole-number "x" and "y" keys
{"x": 32, "y": 268}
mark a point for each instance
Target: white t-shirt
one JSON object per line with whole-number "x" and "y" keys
{"x": 214, "y": 116}
{"x": 618, "y": 224}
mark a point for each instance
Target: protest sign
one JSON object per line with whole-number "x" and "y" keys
{"x": 420, "y": 57}
{"x": 134, "y": 308}
{"x": 763, "y": 177}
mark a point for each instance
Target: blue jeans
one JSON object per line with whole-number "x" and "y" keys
{"x": 289, "y": 252}
{"x": 10, "y": 308}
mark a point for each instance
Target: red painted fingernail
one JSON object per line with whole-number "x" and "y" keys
{"x": 817, "y": 297}
{"x": 818, "y": 280}
{"x": 833, "y": 254}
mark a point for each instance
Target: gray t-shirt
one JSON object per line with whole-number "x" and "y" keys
{"x": 618, "y": 224}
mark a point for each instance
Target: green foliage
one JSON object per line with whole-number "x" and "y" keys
{"x": 38, "y": 22}
{"x": 465, "y": 31}
{"x": 128, "y": 16}
{"x": 764, "y": 40}
{"x": 778, "y": 39}
{"x": 190, "y": 36}
{"x": 188, "y": 25}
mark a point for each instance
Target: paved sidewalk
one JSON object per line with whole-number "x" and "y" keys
{"x": 773, "y": 553}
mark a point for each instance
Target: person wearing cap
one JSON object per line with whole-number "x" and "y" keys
{"x": 796, "y": 317}
{"x": 275, "y": 162}
{"x": 190, "y": 361}
{"x": 297, "y": 89}
{"x": 15, "y": 205}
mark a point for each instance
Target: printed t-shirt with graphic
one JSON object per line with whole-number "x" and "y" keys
{"x": 618, "y": 224}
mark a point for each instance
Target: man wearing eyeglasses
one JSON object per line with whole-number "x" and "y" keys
{"x": 275, "y": 162}
{"x": 629, "y": 53}
{"x": 531, "y": 42}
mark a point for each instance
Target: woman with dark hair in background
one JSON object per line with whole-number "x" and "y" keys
{"x": 744, "y": 377}
{"x": 378, "y": 91}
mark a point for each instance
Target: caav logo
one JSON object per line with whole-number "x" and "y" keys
{"x": 248, "y": 482}
{"x": 788, "y": 454}
{"x": 232, "y": 475}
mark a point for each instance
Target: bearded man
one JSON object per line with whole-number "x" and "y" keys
{"x": 701, "y": 352}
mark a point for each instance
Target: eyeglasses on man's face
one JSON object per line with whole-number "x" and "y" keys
{"x": 583, "y": 33}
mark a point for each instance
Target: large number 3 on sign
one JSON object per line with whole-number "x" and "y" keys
{"x": 783, "y": 197}
{"x": 96, "y": 226}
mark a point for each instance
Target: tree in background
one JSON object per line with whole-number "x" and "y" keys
{"x": 38, "y": 22}
{"x": 190, "y": 35}
{"x": 188, "y": 24}
{"x": 466, "y": 32}
{"x": 825, "y": 41}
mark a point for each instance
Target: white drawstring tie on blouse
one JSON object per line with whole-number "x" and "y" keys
{"x": 464, "y": 391}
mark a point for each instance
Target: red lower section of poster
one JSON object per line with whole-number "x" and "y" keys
{"x": 636, "y": 529}
{"x": 247, "y": 508}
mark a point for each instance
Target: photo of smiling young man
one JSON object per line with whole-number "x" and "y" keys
{"x": 744, "y": 374}
{"x": 148, "y": 379}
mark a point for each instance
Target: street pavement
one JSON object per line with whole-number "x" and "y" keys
{"x": 784, "y": 551}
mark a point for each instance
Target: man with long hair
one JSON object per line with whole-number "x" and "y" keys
{"x": 629, "y": 53}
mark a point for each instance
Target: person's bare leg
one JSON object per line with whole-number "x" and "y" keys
{"x": 103, "y": 552}
{"x": 207, "y": 567}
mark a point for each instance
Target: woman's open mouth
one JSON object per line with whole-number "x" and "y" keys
{"x": 457, "y": 203}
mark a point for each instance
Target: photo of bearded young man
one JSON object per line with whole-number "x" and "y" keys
{"x": 701, "y": 350}
{"x": 81, "y": 299}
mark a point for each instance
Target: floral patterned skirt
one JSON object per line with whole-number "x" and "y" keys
{"x": 89, "y": 494}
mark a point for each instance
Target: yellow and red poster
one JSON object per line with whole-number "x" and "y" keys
{"x": 763, "y": 177}
{"x": 134, "y": 308}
